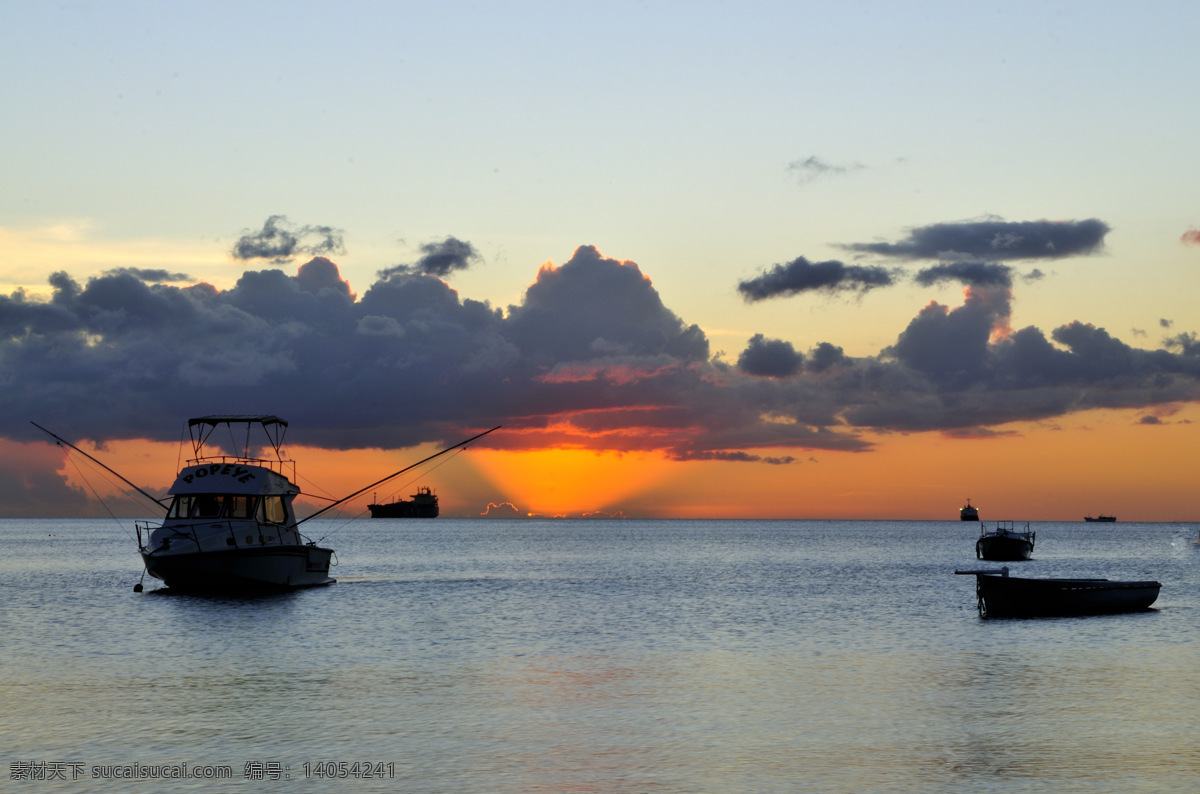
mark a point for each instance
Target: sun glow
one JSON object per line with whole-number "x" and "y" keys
{"x": 572, "y": 482}
{"x": 1096, "y": 461}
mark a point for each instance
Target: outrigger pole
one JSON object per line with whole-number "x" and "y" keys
{"x": 393, "y": 476}
{"x": 159, "y": 502}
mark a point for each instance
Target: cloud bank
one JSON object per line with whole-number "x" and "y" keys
{"x": 590, "y": 358}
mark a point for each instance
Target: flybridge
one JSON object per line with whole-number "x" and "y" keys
{"x": 273, "y": 429}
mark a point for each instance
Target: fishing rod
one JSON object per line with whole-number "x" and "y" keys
{"x": 60, "y": 440}
{"x": 397, "y": 474}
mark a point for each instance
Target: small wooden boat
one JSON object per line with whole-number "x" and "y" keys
{"x": 1004, "y": 543}
{"x": 1004, "y": 596}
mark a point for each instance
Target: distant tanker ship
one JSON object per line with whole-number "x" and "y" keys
{"x": 424, "y": 504}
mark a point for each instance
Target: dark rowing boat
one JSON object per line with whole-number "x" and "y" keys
{"x": 1004, "y": 596}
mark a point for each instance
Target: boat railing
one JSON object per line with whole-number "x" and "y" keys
{"x": 284, "y": 468}
{"x": 187, "y": 532}
{"x": 1005, "y": 528}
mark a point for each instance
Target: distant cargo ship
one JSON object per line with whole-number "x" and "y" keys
{"x": 1104, "y": 519}
{"x": 968, "y": 513}
{"x": 424, "y": 504}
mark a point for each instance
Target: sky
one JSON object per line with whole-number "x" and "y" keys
{"x": 697, "y": 260}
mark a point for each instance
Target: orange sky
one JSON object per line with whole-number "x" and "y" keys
{"x": 1084, "y": 464}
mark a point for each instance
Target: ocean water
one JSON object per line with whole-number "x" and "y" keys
{"x": 600, "y": 656}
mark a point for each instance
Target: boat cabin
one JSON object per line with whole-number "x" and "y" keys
{"x": 264, "y": 509}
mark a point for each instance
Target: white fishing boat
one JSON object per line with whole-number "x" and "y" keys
{"x": 230, "y": 524}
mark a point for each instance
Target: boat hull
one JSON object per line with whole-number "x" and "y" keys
{"x": 404, "y": 510}
{"x": 1004, "y": 596}
{"x": 1003, "y": 548}
{"x": 276, "y": 568}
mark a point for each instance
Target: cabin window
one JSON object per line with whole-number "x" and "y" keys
{"x": 208, "y": 506}
{"x": 271, "y": 510}
{"x": 181, "y": 507}
{"x": 239, "y": 507}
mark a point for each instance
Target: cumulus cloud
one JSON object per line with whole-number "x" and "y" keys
{"x": 772, "y": 358}
{"x": 812, "y": 168}
{"x": 993, "y": 239}
{"x": 824, "y": 356}
{"x": 502, "y": 510}
{"x": 1187, "y": 344}
{"x": 801, "y": 275}
{"x": 280, "y": 241}
{"x": 590, "y": 358}
{"x": 1190, "y": 237}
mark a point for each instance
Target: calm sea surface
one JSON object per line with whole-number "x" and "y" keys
{"x": 601, "y": 656}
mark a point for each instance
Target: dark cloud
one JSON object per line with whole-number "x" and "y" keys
{"x": 813, "y": 168}
{"x": 438, "y": 259}
{"x": 280, "y": 241}
{"x": 1187, "y": 344}
{"x": 590, "y": 358}
{"x": 994, "y": 239}
{"x": 153, "y": 276}
{"x": 801, "y": 275}
{"x": 736, "y": 457}
{"x": 824, "y": 356}
{"x": 950, "y": 347}
{"x": 979, "y": 274}
{"x": 598, "y": 309}
{"x": 772, "y": 358}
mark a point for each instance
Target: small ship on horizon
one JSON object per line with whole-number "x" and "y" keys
{"x": 424, "y": 504}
